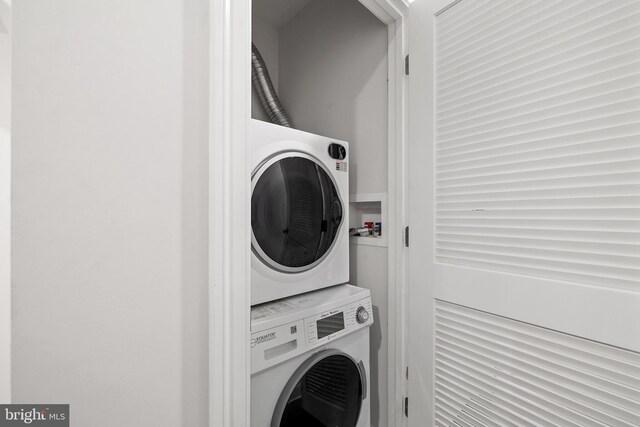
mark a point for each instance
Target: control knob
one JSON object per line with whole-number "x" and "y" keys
{"x": 362, "y": 315}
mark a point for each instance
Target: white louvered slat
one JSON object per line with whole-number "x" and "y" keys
{"x": 491, "y": 370}
{"x": 547, "y": 29}
{"x": 546, "y": 50}
{"x": 538, "y": 139}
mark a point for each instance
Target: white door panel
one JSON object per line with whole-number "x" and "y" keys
{"x": 421, "y": 284}
{"x": 586, "y": 311}
{"x": 525, "y": 213}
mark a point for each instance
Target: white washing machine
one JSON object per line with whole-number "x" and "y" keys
{"x": 310, "y": 360}
{"x": 299, "y": 212}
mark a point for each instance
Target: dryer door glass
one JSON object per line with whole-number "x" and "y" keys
{"x": 329, "y": 394}
{"x": 295, "y": 213}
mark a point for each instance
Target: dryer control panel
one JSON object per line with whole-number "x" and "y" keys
{"x": 286, "y": 328}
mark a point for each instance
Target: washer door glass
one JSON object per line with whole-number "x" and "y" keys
{"x": 295, "y": 212}
{"x": 328, "y": 394}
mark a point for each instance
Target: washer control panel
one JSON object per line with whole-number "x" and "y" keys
{"x": 331, "y": 324}
{"x": 286, "y": 328}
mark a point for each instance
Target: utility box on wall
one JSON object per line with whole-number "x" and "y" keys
{"x": 369, "y": 210}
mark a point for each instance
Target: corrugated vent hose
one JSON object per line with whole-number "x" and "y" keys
{"x": 266, "y": 92}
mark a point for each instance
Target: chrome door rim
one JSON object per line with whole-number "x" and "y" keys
{"x": 255, "y": 177}
{"x": 302, "y": 371}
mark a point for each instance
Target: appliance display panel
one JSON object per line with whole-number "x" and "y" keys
{"x": 330, "y": 325}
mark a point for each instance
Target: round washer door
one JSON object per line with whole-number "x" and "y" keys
{"x": 327, "y": 390}
{"x": 296, "y": 212}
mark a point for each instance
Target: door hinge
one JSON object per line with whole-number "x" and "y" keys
{"x": 406, "y": 236}
{"x": 406, "y": 65}
{"x": 406, "y": 407}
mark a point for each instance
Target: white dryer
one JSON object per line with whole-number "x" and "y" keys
{"x": 310, "y": 360}
{"x": 299, "y": 212}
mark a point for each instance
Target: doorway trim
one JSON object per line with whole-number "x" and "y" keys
{"x": 394, "y": 14}
{"x": 229, "y": 214}
{"x": 229, "y": 193}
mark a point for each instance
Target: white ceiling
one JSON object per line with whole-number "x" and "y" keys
{"x": 278, "y": 12}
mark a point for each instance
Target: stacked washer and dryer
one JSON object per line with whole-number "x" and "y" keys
{"x": 309, "y": 329}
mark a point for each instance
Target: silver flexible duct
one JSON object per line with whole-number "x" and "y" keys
{"x": 266, "y": 92}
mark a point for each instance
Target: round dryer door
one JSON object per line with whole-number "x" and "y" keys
{"x": 296, "y": 212}
{"x": 326, "y": 391}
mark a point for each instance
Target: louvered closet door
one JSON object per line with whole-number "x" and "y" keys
{"x": 524, "y": 265}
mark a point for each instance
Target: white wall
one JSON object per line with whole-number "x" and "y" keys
{"x": 265, "y": 37}
{"x": 5, "y": 198}
{"x": 110, "y": 209}
{"x": 333, "y": 81}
